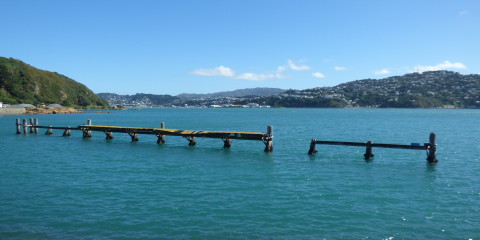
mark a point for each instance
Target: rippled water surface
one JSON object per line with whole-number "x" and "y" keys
{"x": 54, "y": 187}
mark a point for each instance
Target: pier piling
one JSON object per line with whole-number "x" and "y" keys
{"x": 227, "y": 143}
{"x": 312, "y": 149}
{"x": 25, "y": 126}
{"x": 268, "y": 140}
{"x": 368, "y": 152}
{"x": 32, "y": 125}
{"x": 36, "y": 125}
{"x": 108, "y": 135}
{"x": 67, "y": 132}
{"x": 432, "y": 149}
{"x": 86, "y": 132}
{"x": 191, "y": 141}
{"x": 134, "y": 136}
{"x": 49, "y": 131}
{"x": 161, "y": 138}
{"x": 17, "y": 124}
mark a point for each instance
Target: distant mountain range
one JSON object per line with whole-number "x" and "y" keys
{"x": 141, "y": 99}
{"x": 236, "y": 93}
{"x": 22, "y": 83}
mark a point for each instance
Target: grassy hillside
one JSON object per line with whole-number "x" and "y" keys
{"x": 22, "y": 83}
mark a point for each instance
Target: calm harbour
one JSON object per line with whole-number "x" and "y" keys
{"x": 54, "y": 187}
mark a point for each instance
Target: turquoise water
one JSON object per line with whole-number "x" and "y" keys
{"x": 54, "y": 187}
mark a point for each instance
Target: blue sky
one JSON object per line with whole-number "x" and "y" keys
{"x": 173, "y": 47}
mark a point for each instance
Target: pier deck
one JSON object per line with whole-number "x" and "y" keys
{"x": 161, "y": 132}
{"x": 430, "y": 147}
{"x": 177, "y": 132}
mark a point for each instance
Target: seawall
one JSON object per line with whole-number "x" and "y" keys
{"x": 12, "y": 111}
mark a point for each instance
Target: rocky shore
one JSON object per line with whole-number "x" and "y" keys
{"x": 62, "y": 110}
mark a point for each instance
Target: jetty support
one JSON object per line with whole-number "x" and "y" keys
{"x": 268, "y": 139}
{"x": 161, "y": 138}
{"x": 31, "y": 124}
{"x": 430, "y": 147}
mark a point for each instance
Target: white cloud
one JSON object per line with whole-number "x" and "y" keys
{"x": 257, "y": 77}
{"x": 295, "y": 67}
{"x": 218, "y": 71}
{"x": 339, "y": 68}
{"x": 222, "y": 71}
{"x": 382, "y": 72}
{"x": 280, "y": 69}
{"x": 463, "y": 13}
{"x": 441, "y": 66}
{"x": 318, "y": 75}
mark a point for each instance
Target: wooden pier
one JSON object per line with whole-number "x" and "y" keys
{"x": 430, "y": 147}
{"x": 87, "y": 129}
{"x": 32, "y": 126}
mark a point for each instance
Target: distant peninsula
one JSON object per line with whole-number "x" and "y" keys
{"x": 434, "y": 89}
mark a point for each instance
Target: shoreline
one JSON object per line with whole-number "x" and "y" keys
{"x": 64, "y": 110}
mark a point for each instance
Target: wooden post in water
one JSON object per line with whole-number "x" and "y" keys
{"x": 17, "y": 124}
{"x": 25, "y": 126}
{"x": 36, "y": 124}
{"x": 88, "y": 133}
{"x": 134, "y": 136}
{"x": 227, "y": 143}
{"x": 368, "y": 152}
{"x": 161, "y": 138}
{"x": 191, "y": 141}
{"x": 432, "y": 149}
{"x": 312, "y": 149}
{"x": 108, "y": 135}
{"x": 32, "y": 124}
{"x": 269, "y": 141}
{"x": 49, "y": 131}
{"x": 67, "y": 132}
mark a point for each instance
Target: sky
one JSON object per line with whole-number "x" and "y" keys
{"x": 173, "y": 47}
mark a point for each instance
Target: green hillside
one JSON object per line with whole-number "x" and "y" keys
{"x": 22, "y": 83}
